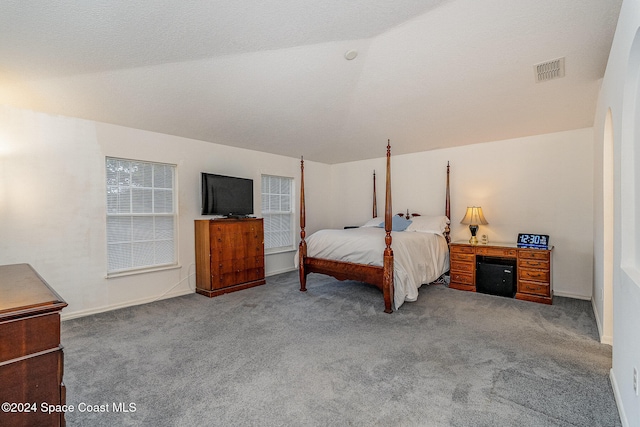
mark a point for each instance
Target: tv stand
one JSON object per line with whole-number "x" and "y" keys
{"x": 229, "y": 255}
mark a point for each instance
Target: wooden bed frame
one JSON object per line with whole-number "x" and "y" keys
{"x": 381, "y": 277}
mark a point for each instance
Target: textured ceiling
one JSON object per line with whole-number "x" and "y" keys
{"x": 271, "y": 75}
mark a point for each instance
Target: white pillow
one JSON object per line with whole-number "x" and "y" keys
{"x": 428, "y": 224}
{"x": 374, "y": 222}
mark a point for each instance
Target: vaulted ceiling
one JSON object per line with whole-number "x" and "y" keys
{"x": 272, "y": 76}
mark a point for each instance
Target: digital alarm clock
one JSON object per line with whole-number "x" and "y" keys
{"x": 529, "y": 240}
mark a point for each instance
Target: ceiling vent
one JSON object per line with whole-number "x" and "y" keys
{"x": 549, "y": 70}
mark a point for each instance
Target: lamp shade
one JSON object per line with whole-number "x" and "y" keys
{"x": 474, "y": 216}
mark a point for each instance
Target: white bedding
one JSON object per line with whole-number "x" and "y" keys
{"x": 418, "y": 257}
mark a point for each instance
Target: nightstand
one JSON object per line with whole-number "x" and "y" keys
{"x": 534, "y": 273}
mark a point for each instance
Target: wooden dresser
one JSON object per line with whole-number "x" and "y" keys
{"x": 229, "y": 255}
{"x": 31, "y": 357}
{"x": 534, "y": 273}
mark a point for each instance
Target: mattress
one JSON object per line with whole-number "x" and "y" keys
{"x": 419, "y": 258}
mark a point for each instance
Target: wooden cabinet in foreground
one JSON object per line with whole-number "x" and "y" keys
{"x": 31, "y": 356}
{"x": 229, "y": 255}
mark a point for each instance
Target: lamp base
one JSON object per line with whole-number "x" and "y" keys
{"x": 474, "y": 229}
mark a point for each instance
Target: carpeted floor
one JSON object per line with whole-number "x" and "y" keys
{"x": 274, "y": 356}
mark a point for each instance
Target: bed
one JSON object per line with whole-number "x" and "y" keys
{"x": 419, "y": 255}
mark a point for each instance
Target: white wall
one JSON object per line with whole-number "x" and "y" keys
{"x": 52, "y": 199}
{"x": 540, "y": 184}
{"x": 52, "y": 202}
{"x": 603, "y": 219}
{"x": 620, "y": 94}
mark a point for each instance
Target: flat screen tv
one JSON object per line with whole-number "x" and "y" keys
{"x": 226, "y": 195}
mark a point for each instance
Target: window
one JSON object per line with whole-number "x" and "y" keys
{"x": 141, "y": 216}
{"x": 277, "y": 212}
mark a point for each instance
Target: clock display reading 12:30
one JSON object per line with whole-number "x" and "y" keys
{"x": 528, "y": 240}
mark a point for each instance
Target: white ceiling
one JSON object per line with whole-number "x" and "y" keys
{"x": 271, "y": 75}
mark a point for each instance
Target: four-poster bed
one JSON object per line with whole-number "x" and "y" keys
{"x": 355, "y": 254}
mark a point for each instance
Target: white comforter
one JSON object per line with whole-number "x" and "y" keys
{"x": 418, "y": 257}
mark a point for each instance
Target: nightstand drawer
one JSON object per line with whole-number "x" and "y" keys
{"x": 456, "y": 256}
{"x": 533, "y": 254}
{"x": 536, "y": 275}
{"x": 503, "y": 252}
{"x": 534, "y": 288}
{"x": 462, "y": 267}
{"x": 533, "y": 263}
{"x": 467, "y": 279}
{"x": 462, "y": 249}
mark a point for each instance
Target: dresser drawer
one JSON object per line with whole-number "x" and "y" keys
{"x": 462, "y": 267}
{"x": 535, "y": 275}
{"x": 533, "y": 254}
{"x": 33, "y": 380}
{"x": 29, "y": 335}
{"x": 503, "y": 252}
{"x": 466, "y": 279}
{"x": 533, "y": 263}
{"x": 534, "y": 288}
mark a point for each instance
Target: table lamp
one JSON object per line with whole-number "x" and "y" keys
{"x": 474, "y": 217}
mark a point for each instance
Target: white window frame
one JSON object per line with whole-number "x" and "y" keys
{"x": 269, "y": 212}
{"x": 141, "y": 216}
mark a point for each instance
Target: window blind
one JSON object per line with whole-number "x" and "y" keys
{"x": 277, "y": 211}
{"x": 141, "y": 217}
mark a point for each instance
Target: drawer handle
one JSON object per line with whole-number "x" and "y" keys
{"x": 535, "y": 274}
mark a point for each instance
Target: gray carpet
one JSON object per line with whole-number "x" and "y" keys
{"x": 274, "y": 356}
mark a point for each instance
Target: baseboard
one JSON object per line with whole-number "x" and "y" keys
{"x": 616, "y": 396}
{"x": 284, "y": 270}
{"x": 83, "y": 313}
{"x": 604, "y": 339}
{"x": 571, "y": 295}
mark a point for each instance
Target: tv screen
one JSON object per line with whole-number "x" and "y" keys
{"x": 226, "y": 195}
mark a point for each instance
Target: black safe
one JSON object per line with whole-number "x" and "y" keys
{"x": 496, "y": 276}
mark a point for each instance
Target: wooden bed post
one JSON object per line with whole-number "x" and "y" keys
{"x": 375, "y": 204}
{"x": 447, "y": 208}
{"x": 387, "y": 280}
{"x": 380, "y": 276}
{"x": 302, "y": 249}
